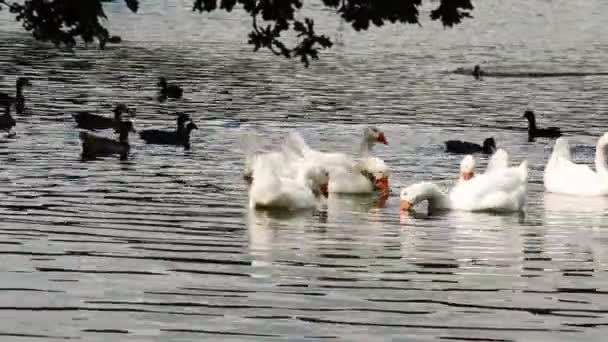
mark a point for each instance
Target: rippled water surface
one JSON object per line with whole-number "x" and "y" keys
{"x": 162, "y": 247}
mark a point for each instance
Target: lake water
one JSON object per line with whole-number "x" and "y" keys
{"x": 162, "y": 247}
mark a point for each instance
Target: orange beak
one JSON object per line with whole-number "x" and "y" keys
{"x": 325, "y": 190}
{"x": 381, "y": 184}
{"x": 382, "y": 138}
{"x": 466, "y": 175}
{"x": 405, "y": 205}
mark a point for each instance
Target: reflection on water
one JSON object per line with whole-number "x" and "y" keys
{"x": 163, "y": 246}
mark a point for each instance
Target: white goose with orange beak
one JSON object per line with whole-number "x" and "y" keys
{"x": 499, "y": 190}
{"x": 565, "y": 177}
{"x": 349, "y": 175}
{"x": 467, "y": 168}
{"x": 269, "y": 190}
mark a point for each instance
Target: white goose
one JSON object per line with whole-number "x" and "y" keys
{"x": 500, "y": 190}
{"x": 270, "y": 190}
{"x": 565, "y": 177}
{"x": 348, "y": 174}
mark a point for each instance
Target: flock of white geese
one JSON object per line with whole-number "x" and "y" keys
{"x": 297, "y": 177}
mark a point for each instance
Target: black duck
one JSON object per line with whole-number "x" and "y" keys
{"x": 179, "y": 137}
{"x": 19, "y": 99}
{"x": 169, "y": 90}
{"x": 535, "y": 132}
{"x": 90, "y": 121}
{"x": 6, "y": 120}
{"x": 95, "y": 146}
{"x": 465, "y": 147}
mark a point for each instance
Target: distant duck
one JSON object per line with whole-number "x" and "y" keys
{"x": 534, "y": 132}
{"x": 169, "y": 90}
{"x": 19, "y": 99}
{"x": 95, "y": 146}
{"x": 477, "y": 73}
{"x": 6, "y": 120}
{"x": 90, "y": 121}
{"x": 465, "y": 147}
{"x": 180, "y": 137}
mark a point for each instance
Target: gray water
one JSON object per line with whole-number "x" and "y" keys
{"x": 162, "y": 247}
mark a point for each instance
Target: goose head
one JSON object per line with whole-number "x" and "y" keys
{"x": 467, "y": 168}
{"x": 489, "y": 145}
{"x": 162, "y": 82}
{"x": 376, "y": 171}
{"x": 420, "y": 192}
{"x": 374, "y": 135}
{"x": 317, "y": 178}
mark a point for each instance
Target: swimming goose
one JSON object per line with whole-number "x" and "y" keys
{"x": 19, "y": 99}
{"x": 270, "y": 190}
{"x": 95, "y": 146}
{"x": 90, "y": 121}
{"x": 465, "y": 147}
{"x": 565, "y": 177}
{"x": 534, "y": 132}
{"x": 6, "y": 120}
{"x": 181, "y": 135}
{"x": 169, "y": 89}
{"x": 349, "y": 175}
{"x": 502, "y": 190}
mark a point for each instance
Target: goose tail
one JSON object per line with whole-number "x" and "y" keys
{"x": 499, "y": 160}
{"x": 561, "y": 149}
{"x": 523, "y": 170}
{"x": 296, "y": 144}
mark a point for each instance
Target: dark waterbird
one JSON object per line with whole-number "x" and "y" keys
{"x": 535, "y": 132}
{"x": 95, "y": 146}
{"x": 6, "y": 120}
{"x": 169, "y": 90}
{"x": 465, "y": 147}
{"x": 179, "y": 137}
{"x": 477, "y": 73}
{"x": 19, "y": 99}
{"x": 90, "y": 121}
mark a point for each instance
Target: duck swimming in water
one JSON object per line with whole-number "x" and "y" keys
{"x": 19, "y": 99}
{"x": 465, "y": 147}
{"x": 535, "y": 132}
{"x": 6, "y": 120}
{"x": 94, "y": 146}
{"x": 169, "y": 90}
{"x": 93, "y": 122}
{"x": 181, "y": 135}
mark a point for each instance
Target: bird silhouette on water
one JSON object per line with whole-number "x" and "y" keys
{"x": 19, "y": 99}
{"x": 169, "y": 90}
{"x": 465, "y": 147}
{"x": 93, "y": 122}
{"x": 535, "y": 132}
{"x": 94, "y": 146}
{"x": 180, "y": 136}
{"x": 7, "y": 122}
